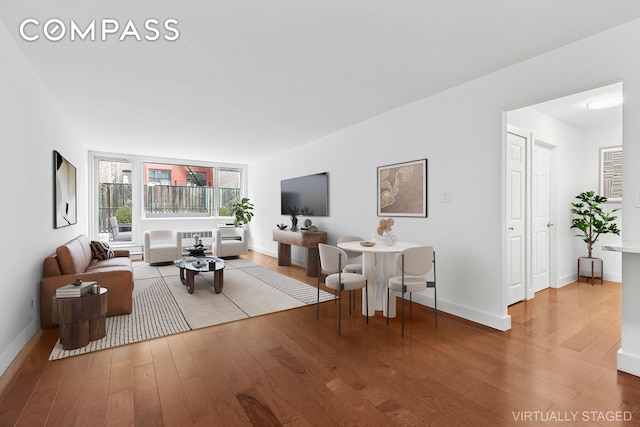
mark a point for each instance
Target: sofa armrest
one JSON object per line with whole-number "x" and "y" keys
{"x": 122, "y": 253}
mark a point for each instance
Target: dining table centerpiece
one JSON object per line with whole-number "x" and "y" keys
{"x": 384, "y": 230}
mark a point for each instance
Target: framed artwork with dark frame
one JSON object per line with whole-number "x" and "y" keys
{"x": 402, "y": 189}
{"x": 611, "y": 173}
{"x": 65, "y": 207}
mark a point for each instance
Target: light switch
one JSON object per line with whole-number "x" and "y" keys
{"x": 444, "y": 197}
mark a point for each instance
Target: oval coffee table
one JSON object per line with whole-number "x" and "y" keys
{"x": 189, "y": 269}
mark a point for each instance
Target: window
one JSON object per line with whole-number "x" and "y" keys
{"x": 114, "y": 195}
{"x": 229, "y": 189}
{"x": 189, "y": 190}
{"x": 196, "y": 179}
{"x": 161, "y": 177}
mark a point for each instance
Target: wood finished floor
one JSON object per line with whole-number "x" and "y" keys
{"x": 288, "y": 368}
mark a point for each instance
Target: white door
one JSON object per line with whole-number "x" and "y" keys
{"x": 540, "y": 213}
{"x": 516, "y": 216}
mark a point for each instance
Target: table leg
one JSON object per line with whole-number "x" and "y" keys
{"x": 284, "y": 254}
{"x": 190, "y": 281}
{"x": 388, "y": 270}
{"x": 312, "y": 262}
{"x": 218, "y": 280}
{"x": 369, "y": 270}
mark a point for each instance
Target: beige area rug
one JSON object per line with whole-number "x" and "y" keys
{"x": 162, "y": 306}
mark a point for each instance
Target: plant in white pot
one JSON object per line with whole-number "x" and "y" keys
{"x": 242, "y": 211}
{"x": 592, "y": 221}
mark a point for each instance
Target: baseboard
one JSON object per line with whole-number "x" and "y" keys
{"x": 294, "y": 261}
{"x": 18, "y": 344}
{"x": 628, "y": 363}
{"x": 613, "y": 277}
{"x": 467, "y": 313}
{"x": 564, "y": 281}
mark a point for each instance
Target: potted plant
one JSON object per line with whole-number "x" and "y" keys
{"x": 293, "y": 211}
{"x": 592, "y": 222}
{"x": 124, "y": 217}
{"x": 242, "y": 211}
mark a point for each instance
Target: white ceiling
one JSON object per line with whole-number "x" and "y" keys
{"x": 249, "y": 78}
{"x": 572, "y": 109}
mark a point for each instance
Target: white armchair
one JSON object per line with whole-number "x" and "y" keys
{"x": 230, "y": 242}
{"x": 162, "y": 246}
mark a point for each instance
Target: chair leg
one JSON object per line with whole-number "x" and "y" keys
{"x": 411, "y": 305}
{"x": 318, "y": 301}
{"x": 366, "y": 290}
{"x": 388, "y": 295}
{"x": 403, "y": 312}
{"x": 435, "y": 304}
{"x": 319, "y": 276}
{"x": 339, "y": 309}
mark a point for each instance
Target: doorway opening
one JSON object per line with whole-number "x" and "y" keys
{"x": 553, "y": 153}
{"x": 114, "y": 201}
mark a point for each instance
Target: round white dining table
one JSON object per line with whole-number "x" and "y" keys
{"x": 378, "y": 265}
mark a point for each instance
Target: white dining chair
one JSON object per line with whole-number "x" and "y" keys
{"x": 352, "y": 267}
{"x": 332, "y": 260}
{"x": 414, "y": 263}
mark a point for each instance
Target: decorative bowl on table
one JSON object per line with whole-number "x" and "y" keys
{"x": 367, "y": 244}
{"x": 200, "y": 264}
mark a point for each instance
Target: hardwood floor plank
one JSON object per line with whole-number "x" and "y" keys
{"x": 66, "y": 403}
{"x": 174, "y": 410}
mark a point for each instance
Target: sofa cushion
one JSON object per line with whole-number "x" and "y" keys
{"x": 74, "y": 256}
{"x": 117, "y": 263}
{"x": 100, "y": 250}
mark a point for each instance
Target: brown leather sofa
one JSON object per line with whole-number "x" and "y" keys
{"x": 74, "y": 260}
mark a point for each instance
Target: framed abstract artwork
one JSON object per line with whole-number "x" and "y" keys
{"x": 402, "y": 189}
{"x": 611, "y": 173}
{"x": 65, "y": 208}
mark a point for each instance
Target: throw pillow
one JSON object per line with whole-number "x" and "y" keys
{"x": 101, "y": 250}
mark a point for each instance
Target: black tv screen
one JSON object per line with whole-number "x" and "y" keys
{"x": 310, "y": 194}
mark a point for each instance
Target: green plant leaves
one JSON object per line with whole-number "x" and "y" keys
{"x": 591, "y": 220}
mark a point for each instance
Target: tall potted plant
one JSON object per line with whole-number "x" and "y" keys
{"x": 242, "y": 211}
{"x": 592, "y": 221}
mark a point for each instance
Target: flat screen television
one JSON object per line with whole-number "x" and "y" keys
{"x": 310, "y": 194}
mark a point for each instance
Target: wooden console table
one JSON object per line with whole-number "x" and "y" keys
{"x": 81, "y": 319}
{"x": 305, "y": 239}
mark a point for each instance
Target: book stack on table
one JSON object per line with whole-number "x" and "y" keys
{"x": 75, "y": 291}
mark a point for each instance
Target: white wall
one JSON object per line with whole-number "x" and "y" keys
{"x": 30, "y": 129}
{"x": 594, "y": 140}
{"x": 461, "y": 132}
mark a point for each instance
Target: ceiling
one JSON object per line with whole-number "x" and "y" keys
{"x": 572, "y": 109}
{"x": 247, "y": 79}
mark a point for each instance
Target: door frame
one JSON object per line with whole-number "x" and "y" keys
{"x": 93, "y": 179}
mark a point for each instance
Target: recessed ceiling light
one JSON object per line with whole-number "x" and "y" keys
{"x": 602, "y": 103}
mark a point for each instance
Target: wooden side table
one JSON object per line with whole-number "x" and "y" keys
{"x": 306, "y": 239}
{"x": 81, "y": 319}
